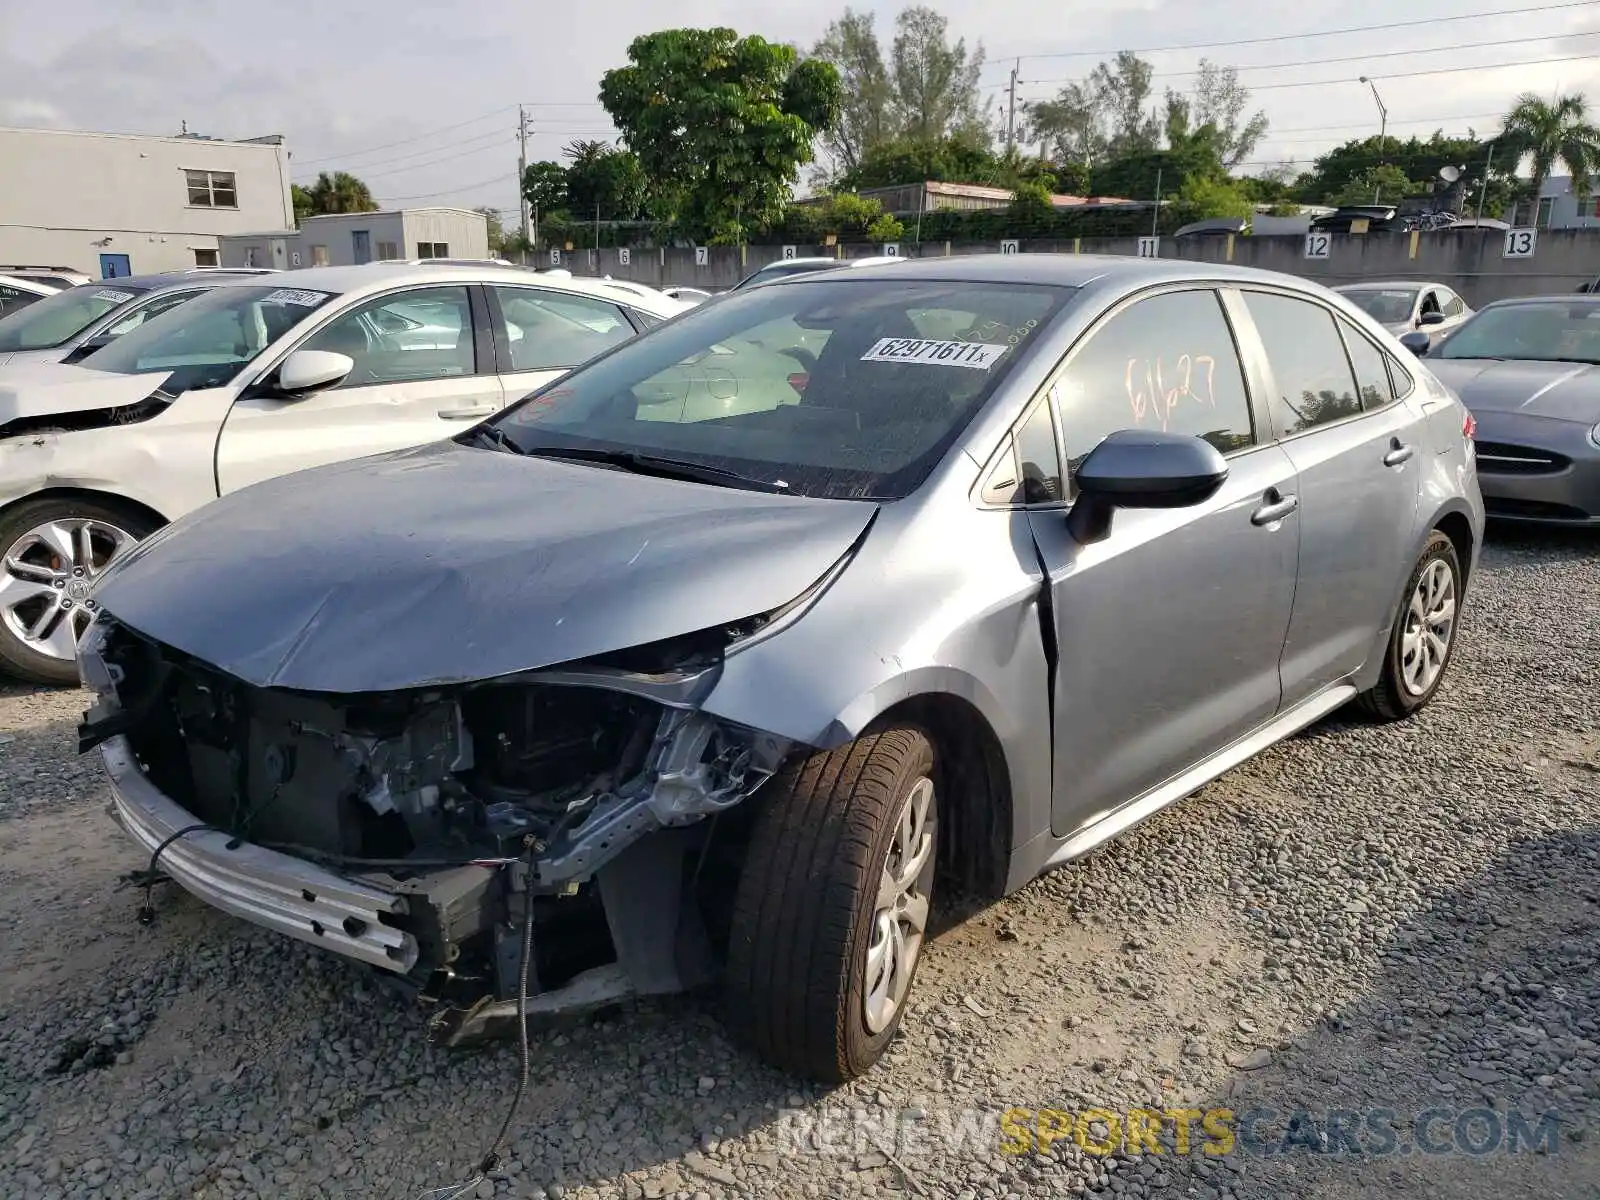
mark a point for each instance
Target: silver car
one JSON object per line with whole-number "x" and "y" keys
{"x": 1408, "y": 306}
{"x": 608, "y": 697}
{"x": 1529, "y": 371}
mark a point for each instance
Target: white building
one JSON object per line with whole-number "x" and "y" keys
{"x": 116, "y": 204}
{"x": 349, "y": 239}
{"x": 1561, "y": 208}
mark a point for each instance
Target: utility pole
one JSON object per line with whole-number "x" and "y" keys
{"x": 1155, "y": 217}
{"x": 1383, "y": 132}
{"x": 1011, "y": 114}
{"x": 523, "y": 121}
{"x": 1488, "y": 164}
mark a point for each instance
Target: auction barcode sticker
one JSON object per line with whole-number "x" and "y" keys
{"x": 113, "y": 295}
{"x": 979, "y": 356}
{"x": 291, "y": 296}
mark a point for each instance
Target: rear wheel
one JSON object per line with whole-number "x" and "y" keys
{"x": 52, "y": 551}
{"x": 832, "y": 906}
{"x": 1423, "y": 636}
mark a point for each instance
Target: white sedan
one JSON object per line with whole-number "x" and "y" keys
{"x": 17, "y": 294}
{"x": 259, "y": 378}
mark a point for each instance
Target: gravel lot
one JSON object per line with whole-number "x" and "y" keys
{"x": 1396, "y": 918}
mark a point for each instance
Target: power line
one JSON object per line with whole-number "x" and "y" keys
{"x": 1295, "y": 37}
{"x": 1442, "y": 120}
{"x": 1499, "y": 66}
{"x": 1349, "y": 58}
{"x": 349, "y": 154}
{"x": 383, "y": 162}
{"x": 455, "y": 191}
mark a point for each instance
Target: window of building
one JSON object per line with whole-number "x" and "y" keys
{"x": 1546, "y": 204}
{"x": 1314, "y": 380}
{"x": 433, "y": 249}
{"x": 319, "y": 256}
{"x": 207, "y": 258}
{"x": 250, "y": 257}
{"x": 212, "y": 189}
{"x": 388, "y": 251}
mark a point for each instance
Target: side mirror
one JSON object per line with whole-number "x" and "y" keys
{"x": 1431, "y": 318}
{"x": 1137, "y": 468}
{"x": 1417, "y": 342}
{"x": 308, "y": 370}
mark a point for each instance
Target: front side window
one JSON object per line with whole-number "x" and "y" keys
{"x": 60, "y": 318}
{"x": 1454, "y": 305}
{"x": 211, "y": 189}
{"x": 210, "y": 340}
{"x": 1039, "y": 457}
{"x": 1372, "y": 372}
{"x": 1546, "y": 331}
{"x": 1168, "y": 362}
{"x": 1309, "y": 366}
{"x": 828, "y": 387}
{"x": 550, "y": 330}
{"x": 421, "y": 334}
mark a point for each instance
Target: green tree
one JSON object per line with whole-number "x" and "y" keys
{"x": 1030, "y": 210}
{"x": 1111, "y": 113}
{"x": 850, "y": 44}
{"x": 934, "y": 82}
{"x": 1206, "y": 196}
{"x": 1548, "y": 132}
{"x": 952, "y": 160}
{"x": 339, "y": 192}
{"x": 544, "y": 186}
{"x": 845, "y": 216}
{"x": 1219, "y": 101}
{"x": 603, "y": 179}
{"x": 303, "y": 205}
{"x": 1375, "y": 185}
{"x": 1346, "y": 166}
{"x": 722, "y": 123}
{"x": 497, "y": 230}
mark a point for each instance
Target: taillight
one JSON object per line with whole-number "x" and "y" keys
{"x": 1469, "y": 427}
{"x": 798, "y": 381}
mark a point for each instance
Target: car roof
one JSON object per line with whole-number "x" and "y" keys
{"x": 371, "y": 278}
{"x": 1567, "y": 299}
{"x": 27, "y": 285}
{"x": 1376, "y": 284}
{"x": 1060, "y": 270}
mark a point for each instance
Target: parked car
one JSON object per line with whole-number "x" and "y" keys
{"x": 70, "y": 325}
{"x": 1529, "y": 371}
{"x": 692, "y": 295}
{"x": 785, "y": 267}
{"x": 55, "y": 278}
{"x": 588, "y": 701}
{"x": 17, "y": 294}
{"x": 1402, "y": 306}
{"x": 272, "y": 378}
{"x": 1215, "y": 227}
{"x": 1379, "y": 218}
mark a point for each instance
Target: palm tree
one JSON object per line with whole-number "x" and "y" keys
{"x": 340, "y": 192}
{"x": 1547, "y": 132}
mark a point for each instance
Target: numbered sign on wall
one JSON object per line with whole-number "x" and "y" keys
{"x": 1520, "y": 243}
{"x": 891, "y": 249}
{"x": 702, "y": 256}
{"x": 1319, "y": 245}
{"x": 624, "y": 256}
{"x": 555, "y": 257}
{"x": 788, "y": 252}
{"x": 1149, "y": 247}
{"x": 1008, "y": 245}
{"x": 294, "y": 258}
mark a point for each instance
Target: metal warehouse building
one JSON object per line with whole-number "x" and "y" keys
{"x": 115, "y": 204}
{"x": 349, "y": 239}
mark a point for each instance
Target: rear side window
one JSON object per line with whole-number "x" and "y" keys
{"x": 550, "y": 330}
{"x": 1372, "y": 374}
{"x": 1314, "y": 384}
{"x": 1168, "y": 362}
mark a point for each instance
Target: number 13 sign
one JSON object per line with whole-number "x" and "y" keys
{"x": 1520, "y": 243}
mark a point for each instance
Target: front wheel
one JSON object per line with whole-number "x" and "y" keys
{"x": 1423, "y": 635}
{"x": 832, "y": 905}
{"x": 52, "y": 551}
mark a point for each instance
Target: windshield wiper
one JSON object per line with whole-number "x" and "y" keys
{"x": 653, "y": 464}
{"x": 492, "y": 437}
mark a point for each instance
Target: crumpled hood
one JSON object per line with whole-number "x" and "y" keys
{"x": 450, "y": 564}
{"x": 44, "y": 389}
{"x": 1562, "y": 391}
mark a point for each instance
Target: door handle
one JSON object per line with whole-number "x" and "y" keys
{"x": 1276, "y": 508}
{"x": 467, "y": 414}
{"x": 1399, "y": 452}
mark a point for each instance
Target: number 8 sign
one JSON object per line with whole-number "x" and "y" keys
{"x": 1520, "y": 243}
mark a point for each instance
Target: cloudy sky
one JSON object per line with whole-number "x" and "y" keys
{"x": 423, "y": 103}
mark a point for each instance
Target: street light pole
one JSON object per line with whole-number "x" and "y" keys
{"x": 1383, "y": 131}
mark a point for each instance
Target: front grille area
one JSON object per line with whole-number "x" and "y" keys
{"x": 1502, "y": 458}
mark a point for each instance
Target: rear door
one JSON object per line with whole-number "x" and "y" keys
{"x": 1359, "y": 455}
{"x": 404, "y": 391}
{"x": 542, "y": 333}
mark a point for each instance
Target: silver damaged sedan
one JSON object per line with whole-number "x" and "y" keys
{"x": 723, "y": 657}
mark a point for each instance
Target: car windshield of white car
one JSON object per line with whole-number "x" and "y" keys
{"x": 208, "y": 341}
{"x": 1388, "y": 305}
{"x": 828, "y": 387}
{"x": 59, "y": 318}
{"x": 1544, "y": 331}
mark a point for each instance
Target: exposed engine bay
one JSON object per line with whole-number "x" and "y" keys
{"x": 588, "y": 798}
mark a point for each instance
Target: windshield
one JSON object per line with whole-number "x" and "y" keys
{"x": 1551, "y": 331}
{"x": 1388, "y": 305}
{"x": 208, "y": 341}
{"x": 61, "y": 317}
{"x": 833, "y": 387}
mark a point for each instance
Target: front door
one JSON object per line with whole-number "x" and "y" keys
{"x": 1170, "y": 629}
{"x": 1359, "y": 454}
{"x": 114, "y": 266}
{"x": 420, "y": 376}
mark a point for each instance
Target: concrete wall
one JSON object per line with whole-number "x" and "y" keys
{"x": 62, "y": 192}
{"x": 1471, "y": 263}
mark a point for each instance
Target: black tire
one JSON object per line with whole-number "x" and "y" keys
{"x": 1390, "y": 699}
{"x": 804, "y": 911}
{"x": 17, "y": 658}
